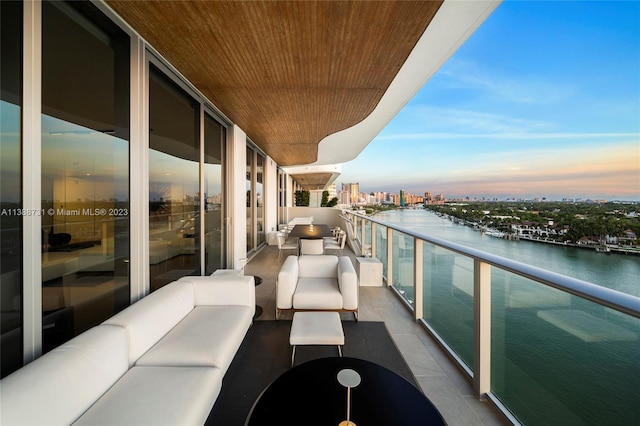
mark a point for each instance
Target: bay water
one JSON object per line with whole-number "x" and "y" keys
{"x": 546, "y": 375}
{"x": 617, "y": 271}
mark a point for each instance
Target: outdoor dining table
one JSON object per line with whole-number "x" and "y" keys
{"x": 310, "y": 232}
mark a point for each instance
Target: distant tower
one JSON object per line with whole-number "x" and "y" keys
{"x": 353, "y": 189}
{"x": 402, "y": 201}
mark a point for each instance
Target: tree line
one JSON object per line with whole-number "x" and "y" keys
{"x": 577, "y": 219}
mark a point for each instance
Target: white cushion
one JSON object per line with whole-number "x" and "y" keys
{"x": 208, "y": 336}
{"x": 223, "y": 290}
{"x": 311, "y": 247}
{"x": 317, "y": 293}
{"x": 348, "y": 283}
{"x": 318, "y": 266}
{"x": 316, "y": 328}
{"x": 157, "y": 396}
{"x": 287, "y": 282}
{"x": 150, "y": 318}
{"x": 59, "y": 386}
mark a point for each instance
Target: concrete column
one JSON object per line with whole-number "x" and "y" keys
{"x": 237, "y": 219}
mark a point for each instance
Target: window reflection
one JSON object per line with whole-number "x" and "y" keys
{"x": 260, "y": 234}
{"x": 249, "y": 180}
{"x": 85, "y": 176}
{"x": 174, "y": 222}
{"x": 11, "y": 321}
{"x": 214, "y": 137}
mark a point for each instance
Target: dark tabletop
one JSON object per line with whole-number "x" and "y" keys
{"x": 310, "y": 394}
{"x": 310, "y": 232}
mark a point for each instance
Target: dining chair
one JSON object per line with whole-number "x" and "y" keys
{"x": 285, "y": 244}
{"x": 335, "y": 243}
{"x": 315, "y": 246}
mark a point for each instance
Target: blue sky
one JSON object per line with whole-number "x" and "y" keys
{"x": 543, "y": 100}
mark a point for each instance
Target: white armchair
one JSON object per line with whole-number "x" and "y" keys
{"x": 317, "y": 283}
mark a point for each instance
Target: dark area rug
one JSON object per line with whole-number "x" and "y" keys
{"x": 265, "y": 354}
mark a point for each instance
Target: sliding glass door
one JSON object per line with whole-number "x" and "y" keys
{"x": 85, "y": 170}
{"x": 11, "y": 321}
{"x": 174, "y": 181}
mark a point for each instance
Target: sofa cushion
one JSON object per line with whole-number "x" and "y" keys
{"x": 150, "y": 318}
{"x": 317, "y": 293}
{"x": 318, "y": 266}
{"x": 157, "y": 396}
{"x": 59, "y": 386}
{"x": 208, "y": 336}
{"x": 223, "y": 290}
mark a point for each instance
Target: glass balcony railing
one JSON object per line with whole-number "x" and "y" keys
{"x": 545, "y": 348}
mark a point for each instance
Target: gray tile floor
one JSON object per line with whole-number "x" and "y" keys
{"x": 440, "y": 379}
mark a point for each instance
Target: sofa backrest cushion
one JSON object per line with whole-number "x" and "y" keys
{"x": 223, "y": 290}
{"x": 59, "y": 386}
{"x": 151, "y": 317}
{"x": 325, "y": 266}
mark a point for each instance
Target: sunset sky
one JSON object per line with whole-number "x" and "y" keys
{"x": 543, "y": 100}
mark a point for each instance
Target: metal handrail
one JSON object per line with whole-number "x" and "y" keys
{"x": 604, "y": 296}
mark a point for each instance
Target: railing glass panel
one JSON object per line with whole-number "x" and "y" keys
{"x": 366, "y": 247}
{"x": 557, "y": 357}
{"x": 448, "y": 298}
{"x": 381, "y": 247}
{"x": 560, "y": 351}
{"x": 403, "y": 265}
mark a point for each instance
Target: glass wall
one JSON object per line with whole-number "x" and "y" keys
{"x": 249, "y": 181}
{"x": 577, "y": 359}
{"x": 214, "y": 137}
{"x": 260, "y": 234}
{"x": 11, "y": 322}
{"x": 174, "y": 181}
{"x": 403, "y": 259}
{"x": 85, "y": 170}
{"x": 282, "y": 197}
{"x": 448, "y": 298}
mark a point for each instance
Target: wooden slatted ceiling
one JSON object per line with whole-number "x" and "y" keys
{"x": 312, "y": 180}
{"x": 289, "y": 73}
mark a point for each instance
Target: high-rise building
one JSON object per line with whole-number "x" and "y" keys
{"x": 353, "y": 189}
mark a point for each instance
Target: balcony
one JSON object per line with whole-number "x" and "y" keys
{"x": 440, "y": 379}
{"x": 489, "y": 340}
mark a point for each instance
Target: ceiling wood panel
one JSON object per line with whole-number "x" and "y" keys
{"x": 288, "y": 73}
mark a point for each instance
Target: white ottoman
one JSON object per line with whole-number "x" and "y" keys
{"x": 316, "y": 328}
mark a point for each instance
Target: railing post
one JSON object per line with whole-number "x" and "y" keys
{"x": 417, "y": 278}
{"x": 389, "y": 257}
{"x": 482, "y": 328}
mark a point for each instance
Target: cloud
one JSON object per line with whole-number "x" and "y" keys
{"x": 526, "y": 89}
{"x": 507, "y": 135}
{"x": 606, "y": 171}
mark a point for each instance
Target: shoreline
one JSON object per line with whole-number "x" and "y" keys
{"x": 611, "y": 249}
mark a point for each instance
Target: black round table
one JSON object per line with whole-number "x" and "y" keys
{"x": 310, "y": 394}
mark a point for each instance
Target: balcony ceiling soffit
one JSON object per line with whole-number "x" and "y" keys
{"x": 312, "y": 181}
{"x": 289, "y": 73}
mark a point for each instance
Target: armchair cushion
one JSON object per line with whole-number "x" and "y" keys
{"x": 348, "y": 282}
{"x": 318, "y": 266}
{"x": 317, "y": 293}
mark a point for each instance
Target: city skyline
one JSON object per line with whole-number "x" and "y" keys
{"x": 552, "y": 110}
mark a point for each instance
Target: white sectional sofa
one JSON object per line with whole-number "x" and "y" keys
{"x": 159, "y": 362}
